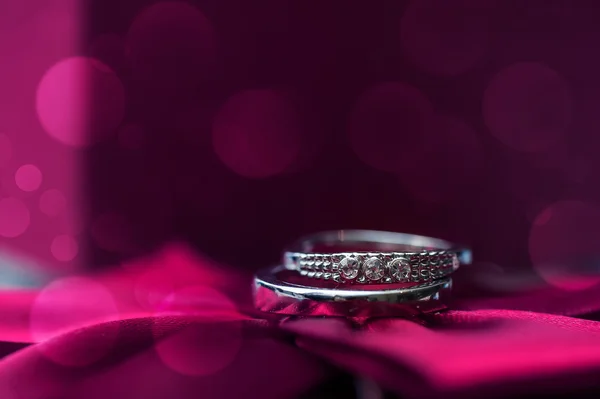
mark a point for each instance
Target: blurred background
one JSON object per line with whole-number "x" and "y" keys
{"x": 239, "y": 125}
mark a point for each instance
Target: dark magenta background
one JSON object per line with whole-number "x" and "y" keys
{"x": 248, "y": 123}
{"x": 326, "y": 54}
{"x": 240, "y": 125}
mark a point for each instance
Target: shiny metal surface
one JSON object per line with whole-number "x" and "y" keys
{"x": 374, "y": 257}
{"x": 280, "y": 290}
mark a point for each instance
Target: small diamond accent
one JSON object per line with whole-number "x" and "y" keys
{"x": 349, "y": 266}
{"x": 373, "y": 269}
{"x": 400, "y": 269}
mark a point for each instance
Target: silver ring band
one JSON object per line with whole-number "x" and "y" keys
{"x": 276, "y": 294}
{"x": 399, "y": 258}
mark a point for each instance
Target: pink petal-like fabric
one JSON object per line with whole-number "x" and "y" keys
{"x": 163, "y": 342}
{"x": 176, "y": 324}
{"x": 482, "y": 353}
{"x": 134, "y": 369}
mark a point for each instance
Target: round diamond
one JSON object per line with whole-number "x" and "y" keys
{"x": 400, "y": 269}
{"x": 373, "y": 269}
{"x": 349, "y": 266}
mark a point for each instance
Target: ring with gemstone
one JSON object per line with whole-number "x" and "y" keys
{"x": 374, "y": 257}
{"x": 283, "y": 291}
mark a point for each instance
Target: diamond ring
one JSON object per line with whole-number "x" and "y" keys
{"x": 375, "y": 257}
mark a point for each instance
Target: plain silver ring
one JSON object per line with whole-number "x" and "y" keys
{"x": 274, "y": 294}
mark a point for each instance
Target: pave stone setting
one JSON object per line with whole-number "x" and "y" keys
{"x": 376, "y": 267}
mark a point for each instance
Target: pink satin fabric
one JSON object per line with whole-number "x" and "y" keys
{"x": 176, "y": 325}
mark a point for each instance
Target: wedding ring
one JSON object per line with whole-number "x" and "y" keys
{"x": 280, "y": 290}
{"x": 374, "y": 257}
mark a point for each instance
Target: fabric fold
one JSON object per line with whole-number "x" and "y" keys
{"x": 175, "y": 324}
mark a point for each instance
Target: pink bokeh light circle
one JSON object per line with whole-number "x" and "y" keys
{"x": 28, "y": 178}
{"x": 449, "y": 163}
{"x": 198, "y": 300}
{"x": 152, "y": 288}
{"x": 64, "y": 248}
{"x": 5, "y": 150}
{"x": 171, "y": 46}
{"x": 52, "y": 202}
{"x": 445, "y": 37}
{"x": 80, "y": 101}
{"x": 563, "y": 244}
{"x": 68, "y": 304}
{"x": 14, "y": 217}
{"x": 257, "y": 133}
{"x": 208, "y": 345}
{"x": 387, "y": 122}
{"x": 528, "y": 107}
